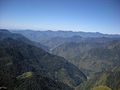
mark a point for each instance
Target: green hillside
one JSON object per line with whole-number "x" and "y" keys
{"x": 110, "y": 79}
{"x": 20, "y": 60}
{"x": 86, "y": 55}
{"x": 101, "y": 88}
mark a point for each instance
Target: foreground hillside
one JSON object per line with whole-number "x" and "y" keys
{"x": 26, "y": 67}
{"x": 103, "y": 81}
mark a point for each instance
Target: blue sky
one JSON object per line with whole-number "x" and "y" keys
{"x": 76, "y": 15}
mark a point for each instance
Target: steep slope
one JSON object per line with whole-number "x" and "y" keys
{"x": 102, "y": 53}
{"x": 18, "y": 57}
{"x": 107, "y": 78}
{"x": 4, "y": 33}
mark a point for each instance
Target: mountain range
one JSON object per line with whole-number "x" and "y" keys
{"x": 59, "y": 60}
{"x": 23, "y": 66}
{"x": 86, "y": 50}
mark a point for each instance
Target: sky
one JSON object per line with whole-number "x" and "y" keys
{"x": 70, "y": 15}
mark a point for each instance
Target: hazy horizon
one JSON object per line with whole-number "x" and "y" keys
{"x": 59, "y": 44}
{"x": 67, "y": 15}
{"x": 58, "y": 30}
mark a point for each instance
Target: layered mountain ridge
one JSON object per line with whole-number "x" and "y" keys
{"x": 55, "y": 56}
{"x": 18, "y": 57}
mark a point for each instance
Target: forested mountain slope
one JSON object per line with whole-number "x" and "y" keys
{"x": 86, "y": 55}
{"x": 23, "y": 65}
{"x": 110, "y": 79}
